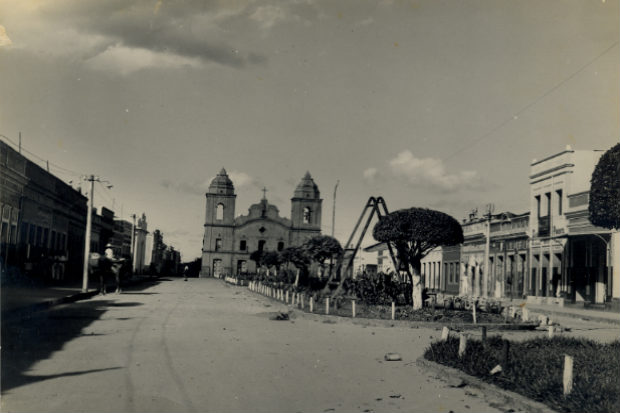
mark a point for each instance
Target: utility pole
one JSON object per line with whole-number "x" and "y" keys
{"x": 487, "y": 248}
{"x": 89, "y": 222}
{"x": 20, "y": 142}
{"x": 334, "y": 210}
{"x": 133, "y": 232}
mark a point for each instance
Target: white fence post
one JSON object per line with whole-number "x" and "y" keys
{"x": 462, "y": 344}
{"x": 568, "y": 375}
{"x": 444, "y": 333}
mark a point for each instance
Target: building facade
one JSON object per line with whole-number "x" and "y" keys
{"x": 571, "y": 259}
{"x": 43, "y": 220}
{"x": 228, "y": 240}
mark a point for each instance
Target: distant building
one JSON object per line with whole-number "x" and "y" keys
{"x": 43, "y": 220}
{"x": 508, "y": 255}
{"x": 102, "y": 230}
{"x": 140, "y": 248}
{"x": 122, "y": 237}
{"x": 229, "y": 241}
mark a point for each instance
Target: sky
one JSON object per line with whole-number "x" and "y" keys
{"x": 428, "y": 103}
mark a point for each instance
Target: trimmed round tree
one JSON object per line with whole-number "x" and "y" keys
{"x": 414, "y": 232}
{"x": 604, "y": 204}
{"x": 321, "y": 248}
{"x": 298, "y": 257}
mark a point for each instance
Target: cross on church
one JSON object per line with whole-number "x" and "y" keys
{"x": 264, "y": 193}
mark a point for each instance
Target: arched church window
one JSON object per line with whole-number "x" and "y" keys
{"x": 307, "y": 215}
{"x": 219, "y": 212}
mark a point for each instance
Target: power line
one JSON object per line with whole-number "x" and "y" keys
{"x": 48, "y": 163}
{"x": 532, "y": 103}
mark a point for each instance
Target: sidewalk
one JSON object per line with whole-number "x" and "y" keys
{"x": 552, "y": 311}
{"x": 17, "y": 298}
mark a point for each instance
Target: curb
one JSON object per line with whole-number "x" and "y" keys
{"x": 514, "y": 400}
{"x": 377, "y": 322}
{"x": 32, "y": 308}
{"x": 583, "y": 317}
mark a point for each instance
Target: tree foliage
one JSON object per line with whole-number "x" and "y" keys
{"x": 296, "y": 256}
{"x": 604, "y": 207}
{"x": 272, "y": 259}
{"x": 323, "y": 247}
{"x": 416, "y": 231}
{"x": 257, "y": 257}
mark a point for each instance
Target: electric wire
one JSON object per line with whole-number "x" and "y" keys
{"x": 532, "y": 103}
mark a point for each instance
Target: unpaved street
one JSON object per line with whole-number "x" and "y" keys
{"x": 204, "y": 346}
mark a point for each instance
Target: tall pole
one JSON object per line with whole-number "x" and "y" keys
{"x": 133, "y": 232}
{"x": 20, "y": 142}
{"x": 487, "y": 247}
{"x": 334, "y": 209}
{"x": 89, "y": 222}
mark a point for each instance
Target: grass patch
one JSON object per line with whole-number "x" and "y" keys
{"x": 535, "y": 369}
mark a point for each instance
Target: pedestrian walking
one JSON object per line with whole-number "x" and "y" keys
{"x": 185, "y": 271}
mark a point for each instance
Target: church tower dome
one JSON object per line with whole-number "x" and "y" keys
{"x": 307, "y": 188}
{"x": 222, "y": 184}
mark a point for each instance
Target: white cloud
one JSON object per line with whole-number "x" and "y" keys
{"x": 431, "y": 173}
{"x": 267, "y": 16}
{"x": 371, "y": 175}
{"x": 4, "y": 38}
{"x": 126, "y": 60}
{"x": 241, "y": 179}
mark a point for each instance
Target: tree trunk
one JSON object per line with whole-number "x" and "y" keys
{"x": 297, "y": 277}
{"x": 416, "y": 284}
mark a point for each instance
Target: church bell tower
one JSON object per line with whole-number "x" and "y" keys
{"x": 305, "y": 210}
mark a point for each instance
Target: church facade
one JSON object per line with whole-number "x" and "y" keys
{"x": 228, "y": 240}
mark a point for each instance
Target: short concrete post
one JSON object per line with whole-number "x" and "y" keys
{"x": 302, "y": 301}
{"x": 567, "y": 379}
{"x": 473, "y": 310}
{"x": 311, "y": 304}
{"x": 294, "y": 298}
{"x": 353, "y": 308}
{"x": 444, "y": 333}
{"x": 505, "y": 354}
{"x": 286, "y": 300}
{"x": 393, "y": 310}
{"x": 525, "y": 315}
{"x": 550, "y": 333}
{"x": 327, "y": 305}
{"x": 462, "y": 344}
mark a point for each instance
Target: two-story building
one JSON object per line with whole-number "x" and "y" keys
{"x": 570, "y": 258}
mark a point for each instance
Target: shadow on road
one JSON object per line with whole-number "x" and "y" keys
{"x": 38, "y": 335}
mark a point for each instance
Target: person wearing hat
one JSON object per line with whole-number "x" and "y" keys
{"x": 109, "y": 251}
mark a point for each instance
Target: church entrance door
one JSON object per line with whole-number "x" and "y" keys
{"x": 217, "y": 268}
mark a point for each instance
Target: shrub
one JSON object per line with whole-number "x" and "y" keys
{"x": 535, "y": 369}
{"x": 377, "y": 289}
